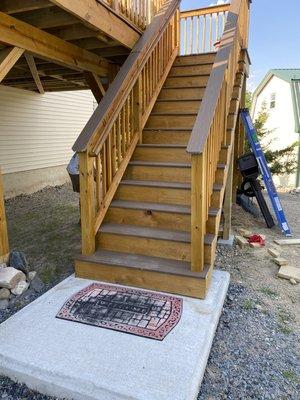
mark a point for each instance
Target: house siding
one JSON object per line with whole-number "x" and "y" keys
{"x": 38, "y": 131}
{"x": 281, "y": 121}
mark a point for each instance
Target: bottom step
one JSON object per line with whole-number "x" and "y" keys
{"x": 146, "y": 272}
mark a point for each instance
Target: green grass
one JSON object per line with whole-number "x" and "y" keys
{"x": 291, "y": 376}
{"x": 286, "y": 330}
{"x": 248, "y": 305}
{"x": 268, "y": 292}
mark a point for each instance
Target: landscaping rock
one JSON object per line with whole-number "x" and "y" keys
{"x": 293, "y": 281}
{"x": 17, "y": 260}
{"x": 3, "y": 304}
{"x": 31, "y": 275}
{"x": 2, "y": 265}
{"x": 20, "y": 288}
{"x": 4, "y": 294}
{"x": 36, "y": 284}
{"x": 10, "y": 277}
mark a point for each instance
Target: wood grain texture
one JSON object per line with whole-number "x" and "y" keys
{"x": 4, "y": 246}
{"x": 8, "y": 58}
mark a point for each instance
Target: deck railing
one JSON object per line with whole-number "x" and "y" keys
{"x": 209, "y": 132}
{"x": 202, "y": 29}
{"x": 138, "y": 12}
{"x": 4, "y": 247}
{"x": 111, "y": 135}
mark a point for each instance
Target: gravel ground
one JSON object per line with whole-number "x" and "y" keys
{"x": 255, "y": 353}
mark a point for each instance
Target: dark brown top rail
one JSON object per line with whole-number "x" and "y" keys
{"x": 98, "y": 127}
{"x": 208, "y": 107}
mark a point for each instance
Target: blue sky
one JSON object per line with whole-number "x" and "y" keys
{"x": 274, "y": 35}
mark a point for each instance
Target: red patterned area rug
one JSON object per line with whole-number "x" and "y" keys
{"x": 143, "y": 313}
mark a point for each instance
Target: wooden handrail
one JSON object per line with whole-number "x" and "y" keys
{"x": 201, "y": 29}
{"x": 105, "y": 114}
{"x": 204, "y": 11}
{"x": 210, "y": 128}
{"x": 108, "y": 140}
{"x": 212, "y": 93}
{"x": 4, "y": 246}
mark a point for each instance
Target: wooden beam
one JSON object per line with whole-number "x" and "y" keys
{"x": 99, "y": 17}
{"x": 15, "y": 6}
{"x": 8, "y": 58}
{"x": 4, "y": 246}
{"x": 227, "y": 206}
{"x": 49, "y": 18}
{"x": 95, "y": 85}
{"x": 14, "y": 32}
{"x": 34, "y": 73}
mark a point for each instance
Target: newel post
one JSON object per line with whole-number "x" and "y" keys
{"x": 198, "y": 217}
{"x": 87, "y": 202}
{"x": 4, "y": 246}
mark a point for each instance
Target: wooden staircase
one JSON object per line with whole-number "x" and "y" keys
{"x": 148, "y": 224}
{"x": 158, "y": 206}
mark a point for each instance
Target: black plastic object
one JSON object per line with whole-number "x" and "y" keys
{"x": 251, "y": 187}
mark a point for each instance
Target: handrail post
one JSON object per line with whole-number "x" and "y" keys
{"x": 137, "y": 107}
{"x": 87, "y": 202}
{"x": 4, "y": 245}
{"x": 198, "y": 217}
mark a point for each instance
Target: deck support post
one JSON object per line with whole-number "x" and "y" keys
{"x": 87, "y": 202}
{"x": 227, "y": 206}
{"x": 4, "y": 245}
{"x": 198, "y": 219}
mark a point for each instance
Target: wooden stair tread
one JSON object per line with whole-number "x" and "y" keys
{"x": 163, "y": 145}
{"x": 178, "y": 101}
{"x": 160, "y": 164}
{"x": 172, "y": 185}
{"x": 168, "y": 129}
{"x": 142, "y": 262}
{"x": 151, "y": 233}
{"x": 137, "y": 205}
{"x": 168, "y": 208}
{"x": 183, "y": 87}
{"x": 170, "y": 113}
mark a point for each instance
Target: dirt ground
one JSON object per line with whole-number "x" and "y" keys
{"x": 255, "y": 354}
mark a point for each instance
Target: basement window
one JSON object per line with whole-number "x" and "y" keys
{"x": 273, "y": 100}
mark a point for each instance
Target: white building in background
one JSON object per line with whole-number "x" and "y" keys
{"x": 280, "y": 91}
{"x": 37, "y": 133}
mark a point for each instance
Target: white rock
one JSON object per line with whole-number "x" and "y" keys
{"x": 10, "y": 277}
{"x": 4, "y": 294}
{"x": 293, "y": 281}
{"x": 2, "y": 265}
{"x": 3, "y": 304}
{"x": 21, "y": 287}
{"x": 31, "y": 275}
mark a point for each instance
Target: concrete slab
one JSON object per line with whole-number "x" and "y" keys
{"x": 226, "y": 242}
{"x": 76, "y": 361}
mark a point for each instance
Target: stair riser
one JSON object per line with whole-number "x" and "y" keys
{"x": 191, "y": 70}
{"x": 154, "y": 219}
{"x": 163, "y": 174}
{"x": 216, "y": 198}
{"x": 154, "y": 194}
{"x": 150, "y": 247}
{"x": 161, "y": 137}
{"x": 182, "y": 94}
{"x": 195, "y": 59}
{"x": 171, "y": 121}
{"x": 151, "y": 280}
{"x": 223, "y": 158}
{"x": 219, "y": 175}
{"x": 161, "y": 154}
{"x": 187, "y": 81}
{"x": 213, "y": 223}
{"x": 177, "y": 106}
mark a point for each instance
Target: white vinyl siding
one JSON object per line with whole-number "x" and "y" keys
{"x": 38, "y": 131}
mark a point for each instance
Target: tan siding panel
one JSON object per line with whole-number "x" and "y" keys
{"x": 38, "y": 131}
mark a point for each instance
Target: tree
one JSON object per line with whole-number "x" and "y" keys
{"x": 281, "y": 161}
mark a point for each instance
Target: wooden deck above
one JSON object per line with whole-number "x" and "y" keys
{"x": 62, "y": 40}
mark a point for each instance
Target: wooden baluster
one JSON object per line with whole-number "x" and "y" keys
{"x": 191, "y": 35}
{"x": 204, "y": 35}
{"x": 87, "y": 202}
{"x": 104, "y": 169}
{"x": 137, "y": 109}
{"x": 184, "y": 36}
{"x": 109, "y": 159}
{"x": 197, "y": 34}
{"x": 99, "y": 192}
{"x": 210, "y": 32}
{"x": 114, "y": 150}
{"x": 119, "y": 140}
{"x": 4, "y": 245}
{"x": 198, "y": 217}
